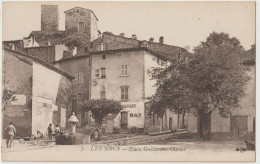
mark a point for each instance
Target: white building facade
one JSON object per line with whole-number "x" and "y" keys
{"x": 123, "y": 75}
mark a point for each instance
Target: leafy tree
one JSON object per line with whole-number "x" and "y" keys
{"x": 76, "y": 40}
{"x": 100, "y": 108}
{"x": 212, "y": 79}
{"x": 8, "y": 96}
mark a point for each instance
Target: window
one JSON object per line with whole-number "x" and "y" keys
{"x": 86, "y": 49}
{"x": 77, "y": 10}
{"x": 81, "y": 26}
{"x": 124, "y": 93}
{"x": 103, "y": 73}
{"x": 124, "y": 70}
{"x": 78, "y": 96}
{"x": 78, "y": 78}
{"x": 103, "y": 92}
{"x": 97, "y": 73}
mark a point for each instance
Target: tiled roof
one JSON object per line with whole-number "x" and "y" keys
{"x": 43, "y": 36}
{"x": 10, "y": 41}
{"x": 42, "y": 63}
{"x": 119, "y": 50}
{"x": 70, "y": 58}
{"x": 155, "y": 53}
{"x": 154, "y": 46}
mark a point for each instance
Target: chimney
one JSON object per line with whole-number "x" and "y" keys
{"x": 122, "y": 34}
{"x": 161, "y": 40}
{"x": 151, "y": 39}
{"x": 134, "y": 37}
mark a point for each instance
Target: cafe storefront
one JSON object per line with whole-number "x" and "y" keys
{"x": 132, "y": 115}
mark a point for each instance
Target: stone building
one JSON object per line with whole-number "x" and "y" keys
{"x": 48, "y": 54}
{"x": 81, "y": 20}
{"x": 17, "y": 45}
{"x": 80, "y": 67}
{"x": 42, "y": 93}
{"x": 49, "y": 18}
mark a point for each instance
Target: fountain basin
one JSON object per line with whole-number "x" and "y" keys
{"x": 76, "y": 139}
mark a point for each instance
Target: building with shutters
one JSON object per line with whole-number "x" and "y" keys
{"x": 122, "y": 75}
{"x": 110, "y": 66}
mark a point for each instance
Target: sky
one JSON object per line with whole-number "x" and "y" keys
{"x": 181, "y": 23}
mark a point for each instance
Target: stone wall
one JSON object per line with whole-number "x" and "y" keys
{"x": 49, "y": 18}
{"x": 17, "y": 76}
{"x": 44, "y": 53}
{"x": 75, "y": 66}
{"x": 94, "y": 27}
{"x": 74, "y": 16}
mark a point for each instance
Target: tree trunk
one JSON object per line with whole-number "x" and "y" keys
{"x": 98, "y": 121}
{"x": 183, "y": 121}
{"x": 204, "y": 126}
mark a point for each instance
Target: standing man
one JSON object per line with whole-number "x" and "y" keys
{"x": 50, "y": 131}
{"x": 11, "y": 131}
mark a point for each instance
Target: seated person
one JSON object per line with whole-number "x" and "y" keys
{"x": 57, "y": 129}
{"x": 38, "y": 136}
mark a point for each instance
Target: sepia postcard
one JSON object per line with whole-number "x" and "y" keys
{"x": 128, "y": 81}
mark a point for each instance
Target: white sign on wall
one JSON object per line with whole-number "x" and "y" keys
{"x": 20, "y": 99}
{"x": 135, "y": 112}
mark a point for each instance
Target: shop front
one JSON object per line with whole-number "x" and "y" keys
{"x": 132, "y": 115}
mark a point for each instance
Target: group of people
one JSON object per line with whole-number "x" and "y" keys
{"x": 52, "y": 132}
{"x": 11, "y": 132}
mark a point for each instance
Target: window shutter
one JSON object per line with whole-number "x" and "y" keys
{"x": 76, "y": 79}
{"x": 80, "y": 78}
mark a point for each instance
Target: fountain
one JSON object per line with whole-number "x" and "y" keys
{"x": 73, "y": 120}
{"x": 72, "y": 138}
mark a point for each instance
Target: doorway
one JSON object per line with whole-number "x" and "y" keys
{"x": 124, "y": 120}
{"x": 238, "y": 126}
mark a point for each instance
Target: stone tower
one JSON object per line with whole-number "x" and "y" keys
{"x": 49, "y": 18}
{"x": 81, "y": 20}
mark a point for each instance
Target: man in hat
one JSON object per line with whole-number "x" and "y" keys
{"x": 11, "y": 131}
